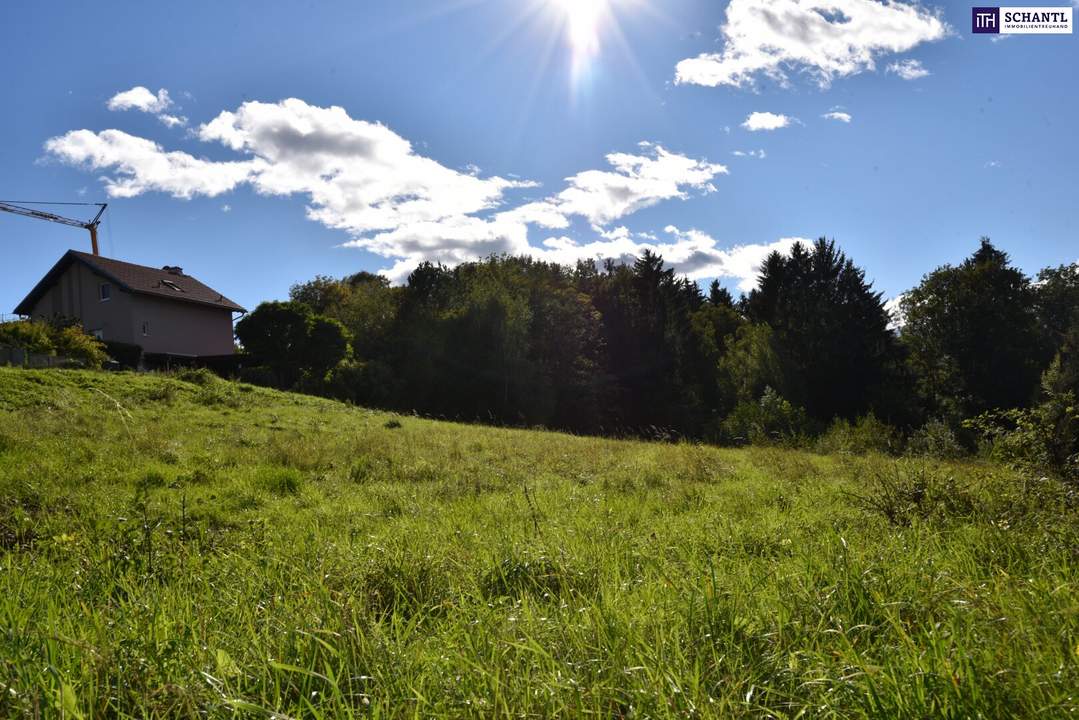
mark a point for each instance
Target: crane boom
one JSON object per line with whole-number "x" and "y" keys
{"x": 52, "y": 217}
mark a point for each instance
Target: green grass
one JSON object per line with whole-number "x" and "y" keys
{"x": 179, "y": 549}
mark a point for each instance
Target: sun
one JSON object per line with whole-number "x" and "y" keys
{"x": 583, "y": 21}
{"x": 583, "y": 18}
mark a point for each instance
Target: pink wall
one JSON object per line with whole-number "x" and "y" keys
{"x": 179, "y": 328}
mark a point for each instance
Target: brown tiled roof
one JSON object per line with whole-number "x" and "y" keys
{"x": 156, "y": 282}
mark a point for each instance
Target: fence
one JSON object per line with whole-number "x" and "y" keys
{"x": 22, "y": 358}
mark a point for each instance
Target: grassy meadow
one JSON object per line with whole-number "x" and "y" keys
{"x": 197, "y": 548}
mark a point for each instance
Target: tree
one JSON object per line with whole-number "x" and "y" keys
{"x": 973, "y": 335}
{"x": 648, "y": 336}
{"x": 1057, "y": 301}
{"x": 719, "y": 295}
{"x": 327, "y": 344}
{"x": 364, "y": 303}
{"x": 831, "y": 330}
{"x": 289, "y": 339}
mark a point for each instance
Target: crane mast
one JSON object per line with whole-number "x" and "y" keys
{"x": 52, "y": 217}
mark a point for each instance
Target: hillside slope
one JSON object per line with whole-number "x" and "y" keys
{"x": 191, "y": 549}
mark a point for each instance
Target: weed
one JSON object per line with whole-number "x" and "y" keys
{"x": 539, "y": 577}
{"x": 363, "y": 469}
{"x": 403, "y": 587}
{"x": 907, "y": 492}
{"x": 197, "y": 376}
{"x": 282, "y": 481}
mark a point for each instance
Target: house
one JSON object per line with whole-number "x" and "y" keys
{"x": 162, "y": 310}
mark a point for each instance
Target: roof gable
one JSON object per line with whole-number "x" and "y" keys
{"x": 140, "y": 279}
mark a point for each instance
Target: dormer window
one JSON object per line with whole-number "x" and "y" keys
{"x": 104, "y": 292}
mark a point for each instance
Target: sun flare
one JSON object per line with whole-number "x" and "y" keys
{"x": 582, "y": 23}
{"x": 583, "y": 20}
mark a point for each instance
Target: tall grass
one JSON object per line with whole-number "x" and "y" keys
{"x": 178, "y": 549}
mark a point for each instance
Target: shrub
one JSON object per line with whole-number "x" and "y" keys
{"x": 865, "y": 435}
{"x": 913, "y": 491}
{"x": 258, "y": 375}
{"x": 347, "y": 381}
{"x": 197, "y": 376}
{"x": 935, "y": 439}
{"x": 73, "y": 342}
{"x": 770, "y": 419}
{"x": 1042, "y": 439}
{"x": 55, "y": 338}
{"x": 219, "y": 393}
{"x": 165, "y": 392}
{"x": 30, "y": 335}
{"x": 126, "y": 354}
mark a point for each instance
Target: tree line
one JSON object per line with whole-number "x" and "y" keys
{"x": 636, "y": 349}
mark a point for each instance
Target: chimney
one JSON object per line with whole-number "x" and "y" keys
{"x": 173, "y": 270}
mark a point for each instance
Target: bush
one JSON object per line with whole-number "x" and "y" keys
{"x": 369, "y": 382}
{"x": 771, "y": 419}
{"x": 912, "y": 492}
{"x": 1043, "y": 439}
{"x": 197, "y": 376}
{"x": 258, "y": 375}
{"x": 32, "y": 336}
{"x": 935, "y": 439}
{"x": 55, "y": 338}
{"x": 126, "y": 354}
{"x": 866, "y": 435}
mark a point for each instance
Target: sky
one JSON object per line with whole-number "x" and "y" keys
{"x": 258, "y": 144}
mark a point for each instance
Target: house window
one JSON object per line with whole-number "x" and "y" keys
{"x": 105, "y": 292}
{"x": 98, "y": 335}
{"x": 145, "y": 327}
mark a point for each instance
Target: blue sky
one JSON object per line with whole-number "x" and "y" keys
{"x": 331, "y": 137}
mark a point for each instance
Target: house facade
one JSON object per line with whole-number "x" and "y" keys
{"x": 162, "y": 310}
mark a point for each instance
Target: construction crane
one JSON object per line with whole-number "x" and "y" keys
{"x": 51, "y": 217}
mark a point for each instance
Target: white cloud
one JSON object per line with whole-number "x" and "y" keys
{"x": 139, "y": 165}
{"x": 364, "y": 179}
{"x": 837, "y": 115}
{"x": 359, "y": 176}
{"x": 690, "y": 252}
{"x": 172, "y": 120}
{"x": 698, "y": 256}
{"x": 141, "y": 99}
{"x": 226, "y": 208}
{"x": 908, "y": 69}
{"x": 894, "y": 308}
{"x": 759, "y": 154}
{"x": 992, "y": 164}
{"x": 635, "y": 182}
{"x": 822, "y": 40}
{"x": 758, "y": 121}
